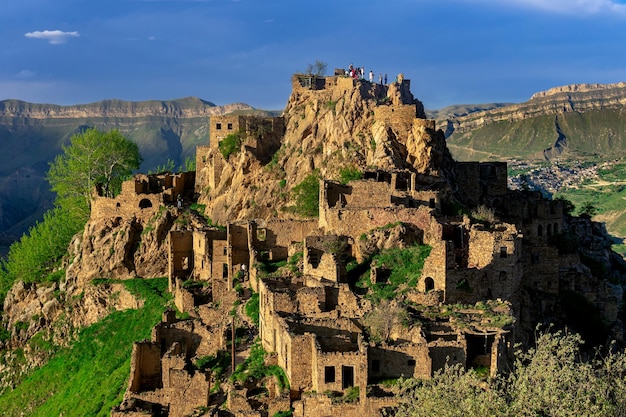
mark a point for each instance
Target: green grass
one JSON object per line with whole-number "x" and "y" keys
{"x": 405, "y": 266}
{"x": 252, "y": 308}
{"x": 90, "y": 377}
{"x": 254, "y": 368}
{"x": 592, "y": 134}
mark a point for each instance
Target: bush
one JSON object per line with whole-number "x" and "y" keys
{"x": 484, "y": 214}
{"x": 306, "y": 196}
{"x": 549, "y": 380}
{"x": 230, "y": 144}
{"x": 350, "y": 173}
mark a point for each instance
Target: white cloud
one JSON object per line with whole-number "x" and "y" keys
{"x": 577, "y": 6}
{"x": 54, "y": 37}
{"x": 26, "y": 74}
{"x": 571, "y": 7}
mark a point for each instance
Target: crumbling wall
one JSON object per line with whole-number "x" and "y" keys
{"x": 411, "y": 360}
{"x": 482, "y": 182}
{"x": 145, "y": 367}
{"x": 336, "y": 371}
{"x": 353, "y": 223}
{"x": 400, "y": 116}
{"x": 180, "y": 259}
{"x": 275, "y": 236}
{"x": 203, "y": 252}
{"x": 447, "y": 352}
{"x": 313, "y": 404}
{"x": 435, "y": 268}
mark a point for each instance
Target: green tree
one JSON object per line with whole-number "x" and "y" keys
{"x": 553, "y": 379}
{"x": 93, "y": 158}
{"x": 231, "y": 144}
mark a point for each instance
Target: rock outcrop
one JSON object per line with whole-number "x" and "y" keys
{"x": 343, "y": 123}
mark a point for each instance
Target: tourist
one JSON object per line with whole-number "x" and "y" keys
{"x": 371, "y": 76}
{"x": 380, "y": 79}
{"x": 385, "y": 79}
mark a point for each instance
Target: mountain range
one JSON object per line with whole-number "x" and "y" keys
{"x": 577, "y": 123}
{"x": 33, "y": 134}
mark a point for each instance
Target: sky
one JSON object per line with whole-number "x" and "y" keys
{"x": 224, "y": 51}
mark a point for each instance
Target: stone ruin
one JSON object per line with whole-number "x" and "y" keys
{"x": 315, "y": 324}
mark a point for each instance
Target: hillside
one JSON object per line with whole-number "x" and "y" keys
{"x": 314, "y": 260}
{"x": 583, "y": 121}
{"x": 568, "y": 141}
{"x": 32, "y": 134}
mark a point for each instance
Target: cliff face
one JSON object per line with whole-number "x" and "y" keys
{"x": 345, "y": 123}
{"x": 188, "y": 107}
{"x": 579, "y": 98}
{"x": 560, "y": 122}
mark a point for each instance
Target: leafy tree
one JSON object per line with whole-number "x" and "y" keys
{"x": 552, "y": 379}
{"x": 230, "y": 144}
{"x": 568, "y": 206}
{"x": 383, "y": 318}
{"x": 93, "y": 158}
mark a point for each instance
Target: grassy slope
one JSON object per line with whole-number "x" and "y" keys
{"x": 90, "y": 377}
{"x": 594, "y": 134}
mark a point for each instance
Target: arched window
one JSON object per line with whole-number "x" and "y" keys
{"x": 429, "y": 284}
{"x": 539, "y": 230}
{"x": 556, "y": 228}
{"x": 549, "y": 230}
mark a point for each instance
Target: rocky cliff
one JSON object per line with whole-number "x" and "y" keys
{"x": 573, "y": 122}
{"x": 348, "y": 123}
{"x": 578, "y": 98}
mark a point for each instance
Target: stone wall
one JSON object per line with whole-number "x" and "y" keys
{"x": 322, "y": 405}
{"x": 336, "y": 371}
{"x": 355, "y": 222}
{"x": 322, "y": 257}
{"x": 181, "y": 257}
{"x": 145, "y": 367}
{"x": 275, "y": 236}
{"x": 399, "y": 116}
{"x": 143, "y": 195}
{"x": 394, "y": 361}
{"x": 482, "y": 182}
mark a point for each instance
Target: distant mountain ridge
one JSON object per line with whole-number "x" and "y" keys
{"x": 184, "y": 107}
{"x": 557, "y": 122}
{"x": 31, "y": 135}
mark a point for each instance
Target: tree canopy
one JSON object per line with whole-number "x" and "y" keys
{"x": 556, "y": 378}
{"x": 93, "y": 158}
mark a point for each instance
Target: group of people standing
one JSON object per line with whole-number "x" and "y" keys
{"x": 359, "y": 72}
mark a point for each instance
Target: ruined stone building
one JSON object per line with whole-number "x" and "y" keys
{"x": 315, "y": 320}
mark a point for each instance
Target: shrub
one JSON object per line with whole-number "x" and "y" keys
{"x": 230, "y": 144}
{"x": 306, "y": 196}
{"x": 484, "y": 214}
{"x": 350, "y": 173}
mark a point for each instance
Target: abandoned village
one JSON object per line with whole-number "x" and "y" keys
{"x": 331, "y": 314}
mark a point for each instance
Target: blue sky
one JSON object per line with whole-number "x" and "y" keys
{"x": 225, "y": 51}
